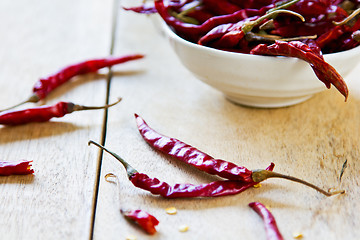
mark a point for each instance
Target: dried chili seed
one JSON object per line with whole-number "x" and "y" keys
{"x": 184, "y": 228}
{"x": 298, "y": 235}
{"x": 171, "y": 210}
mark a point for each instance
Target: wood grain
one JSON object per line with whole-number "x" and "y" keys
{"x": 310, "y": 140}
{"x": 39, "y": 38}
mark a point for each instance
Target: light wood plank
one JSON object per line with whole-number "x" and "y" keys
{"x": 38, "y": 38}
{"x": 310, "y": 140}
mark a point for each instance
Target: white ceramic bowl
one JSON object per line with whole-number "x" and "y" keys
{"x": 257, "y": 81}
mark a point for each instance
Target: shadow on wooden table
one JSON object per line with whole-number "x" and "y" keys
{"x": 77, "y": 81}
{"x": 35, "y": 131}
{"x": 16, "y": 179}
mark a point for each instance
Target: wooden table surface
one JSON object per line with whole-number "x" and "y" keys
{"x": 68, "y": 197}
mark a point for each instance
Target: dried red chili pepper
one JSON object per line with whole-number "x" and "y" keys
{"x": 213, "y": 189}
{"x": 15, "y": 168}
{"x": 271, "y": 228}
{"x": 229, "y": 35}
{"x": 193, "y": 32}
{"x": 324, "y": 71}
{"x": 155, "y": 186}
{"x": 44, "y": 113}
{"x": 46, "y": 85}
{"x": 145, "y": 220}
{"x": 202, "y": 161}
{"x": 146, "y": 8}
{"x": 191, "y": 155}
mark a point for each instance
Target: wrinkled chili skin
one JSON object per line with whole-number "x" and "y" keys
{"x": 212, "y": 189}
{"x": 193, "y": 32}
{"x": 325, "y": 72}
{"x": 145, "y": 220}
{"x": 15, "y": 168}
{"x": 37, "y": 114}
{"x": 191, "y": 155}
{"x": 271, "y": 228}
{"x": 46, "y": 85}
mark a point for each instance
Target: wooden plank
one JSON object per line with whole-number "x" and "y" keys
{"x": 39, "y": 38}
{"x": 310, "y": 140}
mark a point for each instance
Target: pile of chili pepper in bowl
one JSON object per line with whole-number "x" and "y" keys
{"x": 264, "y": 53}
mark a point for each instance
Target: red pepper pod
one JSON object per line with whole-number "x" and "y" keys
{"x": 186, "y": 190}
{"x": 145, "y": 220}
{"x": 271, "y": 228}
{"x": 191, "y": 155}
{"x": 324, "y": 71}
{"x": 37, "y": 114}
{"x": 44, "y": 113}
{"x": 46, "y": 85}
{"x": 22, "y": 167}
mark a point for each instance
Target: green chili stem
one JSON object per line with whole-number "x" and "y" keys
{"x": 261, "y": 175}
{"x": 32, "y": 99}
{"x": 81, "y": 107}
{"x": 282, "y": 5}
{"x": 129, "y": 169}
{"x": 250, "y": 36}
{"x": 348, "y": 19}
{"x": 182, "y": 15}
{"x": 248, "y": 26}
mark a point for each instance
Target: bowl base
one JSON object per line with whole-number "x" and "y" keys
{"x": 267, "y": 102}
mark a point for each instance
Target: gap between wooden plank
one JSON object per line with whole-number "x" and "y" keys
{"x": 104, "y": 122}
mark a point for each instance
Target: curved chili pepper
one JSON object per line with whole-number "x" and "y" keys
{"x": 15, "y": 168}
{"x": 157, "y": 187}
{"x": 44, "y": 113}
{"x": 271, "y": 228}
{"x": 324, "y": 71}
{"x": 145, "y": 220}
{"x": 213, "y": 189}
{"x": 193, "y": 32}
{"x": 45, "y": 86}
{"x": 229, "y": 35}
{"x": 191, "y": 155}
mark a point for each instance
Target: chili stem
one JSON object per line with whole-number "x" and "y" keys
{"x": 81, "y": 107}
{"x": 129, "y": 169}
{"x": 348, "y": 19}
{"x": 32, "y": 99}
{"x": 261, "y": 175}
{"x": 248, "y": 26}
{"x": 250, "y": 36}
{"x": 283, "y": 5}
